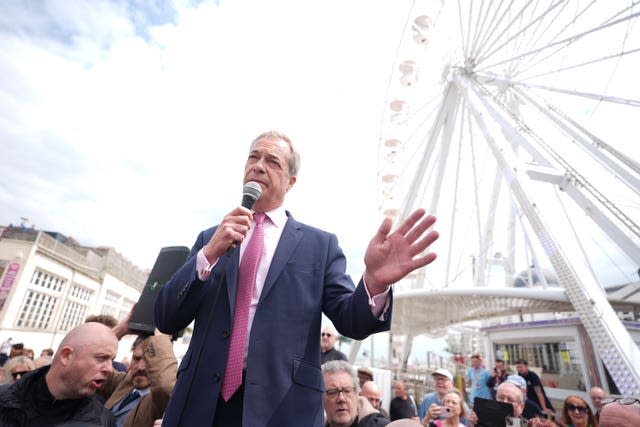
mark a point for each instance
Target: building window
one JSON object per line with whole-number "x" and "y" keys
{"x": 109, "y": 311}
{"x": 73, "y": 314}
{"x": 36, "y": 310}
{"x": 558, "y": 363}
{"x": 111, "y": 303}
{"x": 47, "y": 281}
{"x": 112, "y": 298}
{"x": 81, "y": 293}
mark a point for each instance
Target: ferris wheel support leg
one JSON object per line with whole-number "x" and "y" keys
{"x": 616, "y": 347}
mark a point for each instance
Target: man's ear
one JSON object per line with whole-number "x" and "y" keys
{"x": 66, "y": 354}
{"x": 292, "y": 180}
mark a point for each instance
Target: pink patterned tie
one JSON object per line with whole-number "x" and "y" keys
{"x": 246, "y": 282}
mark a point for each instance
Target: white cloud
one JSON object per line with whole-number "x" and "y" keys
{"x": 135, "y": 137}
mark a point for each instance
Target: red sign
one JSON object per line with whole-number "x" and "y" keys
{"x": 7, "y": 282}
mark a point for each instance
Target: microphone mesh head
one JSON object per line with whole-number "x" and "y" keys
{"x": 252, "y": 189}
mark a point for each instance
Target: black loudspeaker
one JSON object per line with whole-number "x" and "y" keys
{"x": 169, "y": 260}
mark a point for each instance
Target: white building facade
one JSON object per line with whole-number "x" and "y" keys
{"x": 49, "y": 284}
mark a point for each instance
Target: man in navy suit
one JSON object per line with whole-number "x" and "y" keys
{"x": 300, "y": 275}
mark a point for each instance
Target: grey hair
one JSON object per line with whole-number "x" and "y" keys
{"x": 294, "y": 158}
{"x": 337, "y": 366}
{"x": 19, "y": 360}
{"x": 520, "y": 392}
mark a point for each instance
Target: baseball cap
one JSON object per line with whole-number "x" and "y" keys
{"x": 443, "y": 372}
{"x": 366, "y": 371}
{"x": 517, "y": 380}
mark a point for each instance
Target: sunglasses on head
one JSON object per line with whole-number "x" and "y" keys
{"x": 21, "y": 373}
{"x": 581, "y": 409}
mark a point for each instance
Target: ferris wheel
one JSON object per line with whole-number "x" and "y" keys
{"x": 515, "y": 122}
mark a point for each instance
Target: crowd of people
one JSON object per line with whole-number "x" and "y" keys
{"x": 512, "y": 399}
{"x": 504, "y": 399}
{"x": 81, "y": 383}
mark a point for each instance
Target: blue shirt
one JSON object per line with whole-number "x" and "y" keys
{"x": 479, "y": 387}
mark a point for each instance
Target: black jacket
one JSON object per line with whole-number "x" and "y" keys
{"x": 373, "y": 420}
{"x": 28, "y": 403}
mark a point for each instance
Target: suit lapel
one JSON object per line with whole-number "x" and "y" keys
{"x": 289, "y": 239}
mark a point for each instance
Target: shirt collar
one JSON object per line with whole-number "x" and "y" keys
{"x": 144, "y": 391}
{"x": 277, "y": 216}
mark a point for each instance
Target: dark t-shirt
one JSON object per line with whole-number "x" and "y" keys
{"x": 333, "y": 354}
{"x": 401, "y": 408}
{"x": 531, "y": 410}
{"x": 533, "y": 380}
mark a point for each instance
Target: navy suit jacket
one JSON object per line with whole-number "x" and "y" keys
{"x": 284, "y": 384}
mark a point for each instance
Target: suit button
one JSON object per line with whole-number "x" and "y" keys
{"x": 225, "y": 334}
{"x": 216, "y": 377}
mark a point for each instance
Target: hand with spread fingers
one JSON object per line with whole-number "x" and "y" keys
{"x": 391, "y": 256}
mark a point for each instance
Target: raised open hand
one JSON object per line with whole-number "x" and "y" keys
{"x": 390, "y": 257}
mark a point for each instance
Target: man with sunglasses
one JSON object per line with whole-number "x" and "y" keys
{"x": 328, "y": 339}
{"x": 342, "y": 405}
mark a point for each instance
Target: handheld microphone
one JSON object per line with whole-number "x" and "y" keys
{"x": 251, "y": 192}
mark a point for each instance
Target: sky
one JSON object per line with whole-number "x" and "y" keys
{"x": 126, "y": 124}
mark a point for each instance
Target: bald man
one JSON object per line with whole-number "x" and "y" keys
{"x": 371, "y": 392}
{"x": 616, "y": 415}
{"x": 597, "y": 394}
{"x": 62, "y": 393}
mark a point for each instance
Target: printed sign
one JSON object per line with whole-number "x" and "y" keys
{"x": 7, "y": 282}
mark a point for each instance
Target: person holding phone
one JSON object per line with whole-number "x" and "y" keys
{"x": 451, "y": 412}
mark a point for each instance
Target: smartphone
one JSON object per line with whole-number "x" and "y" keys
{"x": 445, "y": 412}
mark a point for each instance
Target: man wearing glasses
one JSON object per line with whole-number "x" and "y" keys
{"x": 342, "y": 405}
{"x": 328, "y": 339}
{"x": 620, "y": 412}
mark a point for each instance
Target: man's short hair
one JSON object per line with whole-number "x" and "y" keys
{"x": 105, "y": 319}
{"x": 476, "y": 356}
{"x": 336, "y": 366}
{"x": 294, "y": 159}
{"x": 522, "y": 362}
{"x": 139, "y": 340}
{"x": 516, "y": 387}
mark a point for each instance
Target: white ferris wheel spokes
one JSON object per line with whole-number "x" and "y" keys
{"x": 514, "y": 122}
